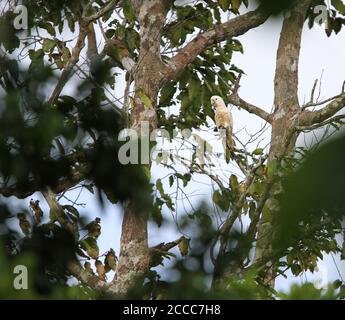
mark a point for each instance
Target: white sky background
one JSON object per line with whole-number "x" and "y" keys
{"x": 319, "y": 55}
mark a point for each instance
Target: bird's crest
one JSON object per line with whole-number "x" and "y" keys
{"x": 217, "y": 101}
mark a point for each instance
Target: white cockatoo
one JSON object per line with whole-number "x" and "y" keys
{"x": 223, "y": 119}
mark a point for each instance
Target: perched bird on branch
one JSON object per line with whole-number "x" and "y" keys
{"x": 223, "y": 120}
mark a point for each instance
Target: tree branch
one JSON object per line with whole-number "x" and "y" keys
{"x": 66, "y": 73}
{"x": 232, "y": 28}
{"x": 309, "y": 118}
{"x": 87, "y": 278}
{"x": 286, "y": 74}
{"x": 101, "y": 12}
{"x": 237, "y": 101}
{"x": 84, "y": 26}
{"x": 63, "y": 185}
{"x": 253, "y": 226}
{"x": 91, "y": 43}
{"x": 74, "y": 266}
{"x": 226, "y": 227}
{"x": 122, "y": 53}
{"x": 321, "y": 124}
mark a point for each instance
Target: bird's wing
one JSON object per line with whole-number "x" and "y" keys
{"x": 225, "y": 118}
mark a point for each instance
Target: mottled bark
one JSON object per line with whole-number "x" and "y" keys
{"x": 134, "y": 256}
{"x": 286, "y": 110}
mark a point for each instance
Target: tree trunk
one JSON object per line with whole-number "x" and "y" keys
{"x": 147, "y": 74}
{"x": 286, "y": 112}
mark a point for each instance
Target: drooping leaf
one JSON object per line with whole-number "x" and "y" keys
{"x": 184, "y": 246}
{"x": 90, "y": 246}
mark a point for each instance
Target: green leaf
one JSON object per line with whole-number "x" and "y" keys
{"x": 110, "y": 33}
{"x": 70, "y": 21}
{"x": 167, "y": 94}
{"x": 235, "y": 6}
{"x": 159, "y": 186}
{"x": 184, "y": 12}
{"x": 258, "y": 151}
{"x": 267, "y": 214}
{"x": 171, "y": 180}
{"x": 131, "y": 38}
{"x": 252, "y": 208}
{"x": 157, "y": 212}
{"x": 48, "y": 44}
{"x": 128, "y": 10}
{"x": 257, "y": 188}
{"x": 147, "y": 173}
{"x": 72, "y": 211}
{"x": 221, "y": 200}
{"x": 47, "y": 26}
{"x": 194, "y": 87}
{"x": 233, "y": 182}
{"x": 224, "y": 4}
{"x": 236, "y": 46}
{"x": 90, "y": 246}
{"x": 8, "y": 36}
{"x": 35, "y": 55}
{"x": 186, "y": 178}
{"x": 272, "y": 168}
{"x": 57, "y": 60}
{"x": 183, "y": 245}
{"x": 144, "y": 98}
{"x": 89, "y": 187}
{"x": 339, "y": 5}
{"x": 217, "y": 15}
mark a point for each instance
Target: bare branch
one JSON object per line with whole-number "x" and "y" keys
{"x": 91, "y": 43}
{"x": 101, "y": 12}
{"x": 168, "y": 246}
{"x": 226, "y": 227}
{"x": 67, "y": 72}
{"x": 232, "y": 28}
{"x": 63, "y": 185}
{"x": 333, "y": 120}
{"x": 252, "y": 229}
{"x": 122, "y": 52}
{"x": 74, "y": 266}
{"x": 87, "y": 278}
{"x": 237, "y": 101}
{"x": 309, "y": 118}
{"x": 313, "y": 91}
{"x": 202, "y": 170}
{"x": 85, "y": 31}
{"x": 320, "y": 103}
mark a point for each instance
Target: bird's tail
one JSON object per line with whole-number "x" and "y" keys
{"x": 230, "y": 145}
